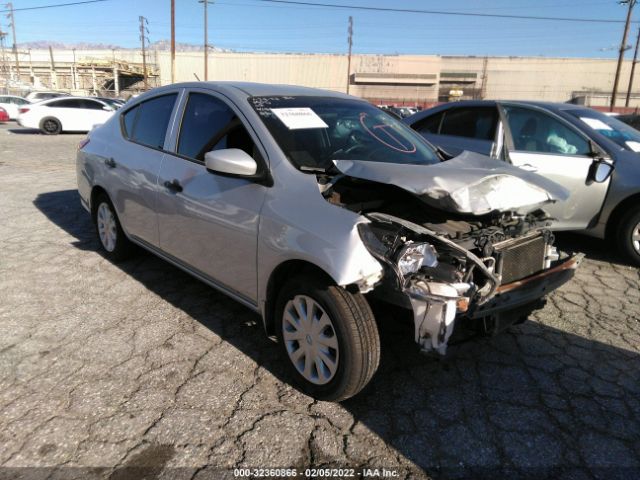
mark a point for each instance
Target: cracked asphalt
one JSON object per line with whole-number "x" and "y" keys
{"x": 136, "y": 370}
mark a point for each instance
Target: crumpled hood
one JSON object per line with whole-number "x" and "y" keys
{"x": 469, "y": 183}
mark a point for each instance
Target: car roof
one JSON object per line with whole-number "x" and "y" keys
{"x": 69, "y": 97}
{"x": 490, "y": 103}
{"x": 252, "y": 89}
{"x": 553, "y": 106}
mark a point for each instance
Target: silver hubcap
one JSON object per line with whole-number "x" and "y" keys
{"x": 310, "y": 339}
{"x": 107, "y": 227}
{"x": 635, "y": 238}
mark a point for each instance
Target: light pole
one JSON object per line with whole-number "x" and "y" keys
{"x": 206, "y": 39}
{"x": 73, "y": 70}
{"x": 623, "y": 47}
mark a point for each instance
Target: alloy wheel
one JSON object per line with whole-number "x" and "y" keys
{"x": 310, "y": 339}
{"x": 635, "y": 238}
{"x": 107, "y": 229}
{"x": 50, "y": 126}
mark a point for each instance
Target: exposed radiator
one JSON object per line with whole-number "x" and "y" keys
{"x": 521, "y": 258}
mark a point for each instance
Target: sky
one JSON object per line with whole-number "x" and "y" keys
{"x": 251, "y": 25}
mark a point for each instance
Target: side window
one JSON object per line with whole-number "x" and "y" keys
{"x": 430, "y": 124}
{"x": 535, "y": 131}
{"x": 92, "y": 105}
{"x": 479, "y": 123}
{"x": 147, "y": 122}
{"x": 73, "y": 103}
{"x": 209, "y": 124}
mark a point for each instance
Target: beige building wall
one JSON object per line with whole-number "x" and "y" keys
{"x": 398, "y": 79}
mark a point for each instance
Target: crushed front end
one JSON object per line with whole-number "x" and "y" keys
{"x": 444, "y": 272}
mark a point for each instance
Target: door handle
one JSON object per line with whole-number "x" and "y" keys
{"x": 173, "y": 185}
{"x": 110, "y": 162}
{"x": 529, "y": 168}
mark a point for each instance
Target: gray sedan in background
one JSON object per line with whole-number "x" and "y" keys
{"x": 298, "y": 202}
{"x": 595, "y": 156}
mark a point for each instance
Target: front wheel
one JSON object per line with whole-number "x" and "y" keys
{"x": 628, "y": 236}
{"x": 329, "y": 337}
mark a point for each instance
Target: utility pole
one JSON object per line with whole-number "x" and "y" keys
{"x": 11, "y": 16}
{"x": 143, "y": 37}
{"x": 350, "y": 42}
{"x": 623, "y": 47}
{"x": 483, "y": 85}
{"x": 633, "y": 70}
{"x": 173, "y": 41}
{"x": 5, "y": 69}
{"x": 74, "y": 81}
{"x": 206, "y": 39}
{"x": 54, "y": 74}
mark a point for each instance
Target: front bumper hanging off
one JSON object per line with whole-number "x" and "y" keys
{"x": 437, "y": 305}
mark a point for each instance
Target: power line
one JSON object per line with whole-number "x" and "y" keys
{"x": 53, "y": 5}
{"x": 444, "y": 12}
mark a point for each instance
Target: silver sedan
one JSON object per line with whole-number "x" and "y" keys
{"x": 595, "y": 156}
{"x": 303, "y": 204}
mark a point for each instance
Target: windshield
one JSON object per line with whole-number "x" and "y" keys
{"x": 314, "y": 131}
{"x": 621, "y": 133}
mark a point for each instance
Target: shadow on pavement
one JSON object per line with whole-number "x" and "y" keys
{"x": 593, "y": 248}
{"x": 536, "y": 402}
{"x": 34, "y": 131}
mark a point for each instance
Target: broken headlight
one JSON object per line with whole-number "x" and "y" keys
{"x": 413, "y": 256}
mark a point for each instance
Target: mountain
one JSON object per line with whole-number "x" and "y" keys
{"x": 161, "y": 45}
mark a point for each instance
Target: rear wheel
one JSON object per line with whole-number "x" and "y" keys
{"x": 50, "y": 126}
{"x": 113, "y": 240}
{"x": 628, "y": 236}
{"x": 329, "y": 337}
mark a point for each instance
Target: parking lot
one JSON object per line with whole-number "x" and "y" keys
{"x": 108, "y": 368}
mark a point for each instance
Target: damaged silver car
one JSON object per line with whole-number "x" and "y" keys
{"x": 304, "y": 204}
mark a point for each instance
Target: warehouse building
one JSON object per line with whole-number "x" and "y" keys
{"x": 382, "y": 79}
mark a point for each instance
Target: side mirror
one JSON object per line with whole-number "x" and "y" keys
{"x": 601, "y": 171}
{"x": 107, "y": 109}
{"x": 231, "y": 161}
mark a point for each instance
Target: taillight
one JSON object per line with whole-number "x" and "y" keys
{"x": 23, "y": 110}
{"x": 83, "y": 143}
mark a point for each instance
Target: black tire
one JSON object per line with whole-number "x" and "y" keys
{"x": 50, "y": 126}
{"x": 624, "y": 235}
{"x": 355, "y": 330}
{"x": 122, "y": 247}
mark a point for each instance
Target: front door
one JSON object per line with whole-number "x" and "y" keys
{"x": 545, "y": 144}
{"x": 209, "y": 221}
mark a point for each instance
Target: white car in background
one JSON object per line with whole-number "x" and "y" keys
{"x": 40, "y": 96}
{"x": 68, "y": 114}
{"x": 12, "y": 103}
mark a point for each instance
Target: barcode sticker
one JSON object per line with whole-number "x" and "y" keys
{"x": 299, "y": 118}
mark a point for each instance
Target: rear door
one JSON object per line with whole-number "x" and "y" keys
{"x": 541, "y": 142}
{"x": 66, "y": 111}
{"x": 94, "y": 113}
{"x": 462, "y": 128}
{"x": 209, "y": 221}
{"x": 131, "y": 173}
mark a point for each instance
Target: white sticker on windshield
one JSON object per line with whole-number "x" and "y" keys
{"x": 299, "y": 118}
{"x": 635, "y": 146}
{"x": 595, "y": 123}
